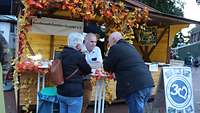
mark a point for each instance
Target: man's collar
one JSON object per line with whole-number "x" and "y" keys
{"x": 121, "y": 40}
{"x": 93, "y": 50}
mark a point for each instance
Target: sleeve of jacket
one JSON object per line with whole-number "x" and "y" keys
{"x": 84, "y": 66}
{"x": 111, "y": 60}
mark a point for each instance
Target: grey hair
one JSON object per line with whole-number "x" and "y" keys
{"x": 75, "y": 38}
{"x": 90, "y": 35}
{"x": 116, "y": 36}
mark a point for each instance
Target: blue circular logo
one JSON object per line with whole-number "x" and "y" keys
{"x": 179, "y": 91}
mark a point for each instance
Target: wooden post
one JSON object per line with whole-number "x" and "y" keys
{"x": 168, "y": 48}
{"x": 51, "y": 49}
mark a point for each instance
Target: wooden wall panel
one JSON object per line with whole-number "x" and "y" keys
{"x": 159, "y": 54}
{"x": 40, "y": 43}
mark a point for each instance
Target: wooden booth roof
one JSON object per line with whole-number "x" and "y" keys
{"x": 159, "y": 18}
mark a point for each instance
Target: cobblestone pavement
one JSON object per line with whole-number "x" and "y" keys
{"x": 113, "y": 108}
{"x": 122, "y": 107}
{"x": 196, "y": 88}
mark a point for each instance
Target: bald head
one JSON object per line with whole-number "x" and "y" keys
{"x": 114, "y": 38}
{"x": 90, "y": 41}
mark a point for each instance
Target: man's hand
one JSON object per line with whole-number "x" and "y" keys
{"x": 96, "y": 64}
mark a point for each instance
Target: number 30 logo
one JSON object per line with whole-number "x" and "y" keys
{"x": 179, "y": 91}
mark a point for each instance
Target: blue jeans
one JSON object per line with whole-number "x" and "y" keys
{"x": 70, "y": 104}
{"x": 137, "y": 100}
{"x": 46, "y": 103}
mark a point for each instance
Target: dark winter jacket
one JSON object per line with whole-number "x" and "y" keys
{"x": 71, "y": 60}
{"x": 130, "y": 70}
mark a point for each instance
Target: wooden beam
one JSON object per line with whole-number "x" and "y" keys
{"x": 30, "y": 48}
{"x": 140, "y": 47}
{"x": 159, "y": 38}
{"x": 168, "y": 49}
{"x": 51, "y": 48}
{"x": 146, "y": 55}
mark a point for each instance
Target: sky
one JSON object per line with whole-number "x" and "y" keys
{"x": 191, "y": 11}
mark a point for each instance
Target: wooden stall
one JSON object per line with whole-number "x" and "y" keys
{"x": 43, "y": 28}
{"x": 32, "y": 42}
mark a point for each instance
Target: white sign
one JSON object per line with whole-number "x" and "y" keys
{"x": 178, "y": 89}
{"x": 153, "y": 67}
{"x": 176, "y": 62}
{"x": 53, "y": 26}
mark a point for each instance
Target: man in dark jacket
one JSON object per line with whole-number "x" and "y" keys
{"x": 70, "y": 94}
{"x": 134, "y": 80}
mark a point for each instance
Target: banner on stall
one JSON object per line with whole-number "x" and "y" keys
{"x": 178, "y": 89}
{"x": 54, "y": 26}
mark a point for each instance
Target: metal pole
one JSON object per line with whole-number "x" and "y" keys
{"x": 43, "y": 81}
{"x": 96, "y": 95}
{"x": 100, "y": 95}
{"x": 104, "y": 92}
{"x": 38, "y": 89}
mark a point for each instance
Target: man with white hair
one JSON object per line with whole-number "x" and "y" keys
{"x": 70, "y": 94}
{"x": 134, "y": 80}
{"x": 75, "y": 40}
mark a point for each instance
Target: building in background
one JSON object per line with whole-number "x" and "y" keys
{"x": 5, "y": 7}
{"x": 8, "y": 32}
{"x": 9, "y": 7}
{"x": 195, "y": 34}
{"x": 193, "y": 47}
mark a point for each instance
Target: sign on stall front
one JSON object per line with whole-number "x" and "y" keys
{"x": 178, "y": 89}
{"x": 54, "y": 26}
